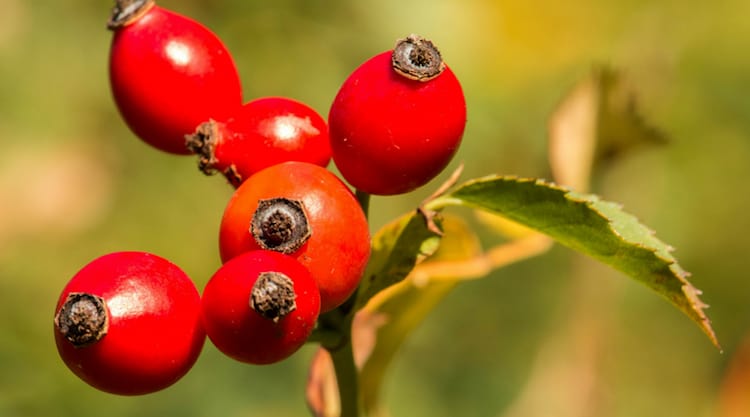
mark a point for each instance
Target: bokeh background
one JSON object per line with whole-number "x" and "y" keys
{"x": 557, "y": 335}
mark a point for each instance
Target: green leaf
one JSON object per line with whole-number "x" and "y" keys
{"x": 587, "y": 224}
{"x": 396, "y": 248}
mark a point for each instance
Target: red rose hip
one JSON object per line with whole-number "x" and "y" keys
{"x": 263, "y": 132}
{"x": 397, "y": 120}
{"x": 305, "y": 211}
{"x": 168, "y": 74}
{"x": 129, "y": 323}
{"x": 260, "y": 307}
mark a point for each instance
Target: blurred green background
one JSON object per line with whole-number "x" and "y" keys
{"x": 557, "y": 335}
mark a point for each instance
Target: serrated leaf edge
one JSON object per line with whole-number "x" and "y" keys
{"x": 688, "y": 289}
{"x": 691, "y": 292}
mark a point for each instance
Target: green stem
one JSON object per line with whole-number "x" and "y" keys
{"x": 335, "y": 335}
{"x": 325, "y": 337}
{"x": 347, "y": 379}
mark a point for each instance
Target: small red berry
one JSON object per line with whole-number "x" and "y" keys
{"x": 263, "y": 132}
{"x": 129, "y": 323}
{"x": 397, "y": 120}
{"x": 305, "y": 211}
{"x": 168, "y": 74}
{"x": 260, "y": 307}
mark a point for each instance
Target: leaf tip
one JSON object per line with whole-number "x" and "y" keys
{"x": 698, "y": 306}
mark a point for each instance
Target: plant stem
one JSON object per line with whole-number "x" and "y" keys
{"x": 347, "y": 379}
{"x": 339, "y": 322}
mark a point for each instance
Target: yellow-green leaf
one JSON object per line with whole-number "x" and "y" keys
{"x": 396, "y": 248}
{"x": 387, "y": 320}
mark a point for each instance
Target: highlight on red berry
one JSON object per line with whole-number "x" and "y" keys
{"x": 260, "y": 307}
{"x": 397, "y": 120}
{"x": 129, "y": 323}
{"x": 263, "y": 132}
{"x": 306, "y": 211}
{"x": 168, "y": 73}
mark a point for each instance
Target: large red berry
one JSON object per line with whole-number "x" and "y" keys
{"x": 263, "y": 132}
{"x": 397, "y": 120}
{"x": 305, "y": 211}
{"x": 129, "y": 323}
{"x": 168, "y": 74}
{"x": 260, "y": 307}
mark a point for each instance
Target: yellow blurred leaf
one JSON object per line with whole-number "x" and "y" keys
{"x": 597, "y": 121}
{"x": 572, "y": 135}
{"x": 481, "y": 265}
{"x": 389, "y": 317}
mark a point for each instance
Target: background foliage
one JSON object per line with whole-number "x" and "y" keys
{"x": 555, "y": 335}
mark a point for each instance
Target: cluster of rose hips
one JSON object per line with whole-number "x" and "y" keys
{"x": 294, "y": 240}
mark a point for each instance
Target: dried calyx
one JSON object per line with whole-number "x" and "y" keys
{"x": 82, "y": 319}
{"x": 126, "y": 11}
{"x": 417, "y": 58}
{"x": 203, "y": 143}
{"x": 273, "y": 296}
{"x": 281, "y": 225}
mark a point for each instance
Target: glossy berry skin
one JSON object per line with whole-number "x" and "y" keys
{"x": 263, "y": 132}
{"x": 155, "y": 333}
{"x": 168, "y": 74}
{"x": 338, "y": 248}
{"x": 241, "y": 332}
{"x": 391, "y": 134}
